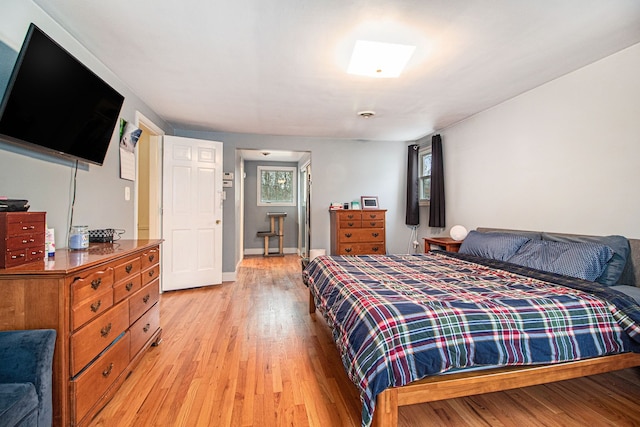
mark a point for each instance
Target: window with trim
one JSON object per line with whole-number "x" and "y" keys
{"x": 424, "y": 175}
{"x": 277, "y": 185}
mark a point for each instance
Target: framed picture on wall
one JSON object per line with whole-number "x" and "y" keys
{"x": 369, "y": 202}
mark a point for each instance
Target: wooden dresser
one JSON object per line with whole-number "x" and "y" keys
{"x": 358, "y": 232}
{"x": 103, "y": 303}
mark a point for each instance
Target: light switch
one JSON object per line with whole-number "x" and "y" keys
{"x": 127, "y": 193}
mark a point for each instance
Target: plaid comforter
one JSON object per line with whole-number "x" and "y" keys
{"x": 398, "y": 318}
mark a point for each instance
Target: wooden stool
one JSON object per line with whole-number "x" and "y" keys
{"x": 274, "y": 232}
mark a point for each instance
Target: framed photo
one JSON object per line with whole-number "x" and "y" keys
{"x": 369, "y": 202}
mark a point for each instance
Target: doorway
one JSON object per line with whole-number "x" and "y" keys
{"x": 148, "y": 201}
{"x": 304, "y": 235}
{"x": 253, "y": 218}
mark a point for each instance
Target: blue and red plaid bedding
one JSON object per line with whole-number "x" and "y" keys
{"x": 398, "y": 318}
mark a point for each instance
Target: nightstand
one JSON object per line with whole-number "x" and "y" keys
{"x": 447, "y": 243}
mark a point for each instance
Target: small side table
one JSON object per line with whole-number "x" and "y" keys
{"x": 447, "y": 243}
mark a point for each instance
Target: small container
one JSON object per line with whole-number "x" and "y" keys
{"x": 79, "y": 237}
{"x": 50, "y": 243}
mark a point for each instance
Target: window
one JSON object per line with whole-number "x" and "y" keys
{"x": 277, "y": 186}
{"x": 424, "y": 175}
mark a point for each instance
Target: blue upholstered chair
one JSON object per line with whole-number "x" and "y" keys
{"x": 26, "y": 359}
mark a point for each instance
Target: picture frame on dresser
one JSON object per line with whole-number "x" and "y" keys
{"x": 369, "y": 202}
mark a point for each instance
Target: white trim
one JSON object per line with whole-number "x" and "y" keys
{"x": 141, "y": 118}
{"x": 230, "y": 276}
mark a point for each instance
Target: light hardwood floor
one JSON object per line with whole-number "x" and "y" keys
{"x": 247, "y": 353}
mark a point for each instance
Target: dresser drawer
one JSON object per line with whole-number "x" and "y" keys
{"x": 123, "y": 289}
{"x": 25, "y": 241}
{"x": 151, "y": 273}
{"x": 361, "y": 235}
{"x": 354, "y": 223}
{"x": 373, "y": 215}
{"x": 361, "y": 248}
{"x": 90, "y": 340}
{"x": 372, "y": 223}
{"x": 143, "y": 329}
{"x": 30, "y": 226}
{"x": 150, "y": 257}
{"x": 92, "y": 307}
{"x": 90, "y": 284}
{"x": 348, "y": 215}
{"x": 142, "y": 300}
{"x": 128, "y": 268}
{"x": 17, "y": 257}
{"x": 90, "y": 385}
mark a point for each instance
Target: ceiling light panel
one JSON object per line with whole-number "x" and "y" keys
{"x": 377, "y": 59}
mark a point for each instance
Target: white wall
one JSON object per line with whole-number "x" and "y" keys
{"x": 563, "y": 157}
{"x": 46, "y": 181}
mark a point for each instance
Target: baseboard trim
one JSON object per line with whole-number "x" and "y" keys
{"x": 260, "y": 251}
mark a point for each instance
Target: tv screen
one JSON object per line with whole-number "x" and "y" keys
{"x": 53, "y": 103}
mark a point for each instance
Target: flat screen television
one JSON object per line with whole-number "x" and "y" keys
{"x": 55, "y": 104}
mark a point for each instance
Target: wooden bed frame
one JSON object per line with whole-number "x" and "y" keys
{"x": 448, "y": 386}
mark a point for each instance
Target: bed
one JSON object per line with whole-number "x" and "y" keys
{"x": 513, "y": 309}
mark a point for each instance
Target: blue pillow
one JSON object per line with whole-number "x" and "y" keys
{"x": 500, "y": 246}
{"x": 582, "y": 260}
{"x": 614, "y": 268}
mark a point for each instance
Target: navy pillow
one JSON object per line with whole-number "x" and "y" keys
{"x": 500, "y": 246}
{"x": 582, "y": 260}
{"x": 614, "y": 268}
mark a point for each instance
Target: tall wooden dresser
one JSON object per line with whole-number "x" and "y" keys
{"x": 358, "y": 232}
{"x": 103, "y": 303}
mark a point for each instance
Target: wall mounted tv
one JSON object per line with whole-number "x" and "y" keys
{"x": 54, "y": 104}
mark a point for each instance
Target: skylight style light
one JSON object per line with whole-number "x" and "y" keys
{"x": 377, "y": 59}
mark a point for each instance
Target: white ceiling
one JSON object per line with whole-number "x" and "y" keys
{"x": 278, "y": 67}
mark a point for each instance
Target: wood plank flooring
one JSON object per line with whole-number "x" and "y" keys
{"x": 247, "y": 353}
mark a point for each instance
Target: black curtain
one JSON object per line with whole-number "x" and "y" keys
{"x": 436, "y": 206}
{"x": 413, "y": 211}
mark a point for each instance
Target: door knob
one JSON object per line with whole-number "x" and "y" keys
{"x": 218, "y": 221}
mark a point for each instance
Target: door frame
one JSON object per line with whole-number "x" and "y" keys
{"x": 155, "y": 177}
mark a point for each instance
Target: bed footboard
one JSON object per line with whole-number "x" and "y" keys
{"x": 467, "y": 384}
{"x": 312, "y": 303}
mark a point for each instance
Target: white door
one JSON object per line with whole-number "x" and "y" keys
{"x": 192, "y": 213}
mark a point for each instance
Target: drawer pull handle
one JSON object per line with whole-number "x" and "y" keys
{"x": 151, "y": 257}
{"x": 347, "y": 235}
{"x": 375, "y": 249}
{"x": 350, "y": 216}
{"x": 17, "y": 256}
{"x": 372, "y": 216}
{"x": 350, "y": 224}
{"x": 347, "y": 250}
{"x": 128, "y": 268}
{"x": 145, "y": 299}
{"x": 96, "y": 306}
{"x": 129, "y": 286}
{"x": 25, "y": 241}
{"x": 107, "y": 371}
{"x": 28, "y": 227}
{"x": 373, "y": 224}
{"x": 95, "y": 284}
{"x": 105, "y": 331}
{"x": 151, "y": 273}
{"x": 146, "y": 328}
{"x": 375, "y": 234}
